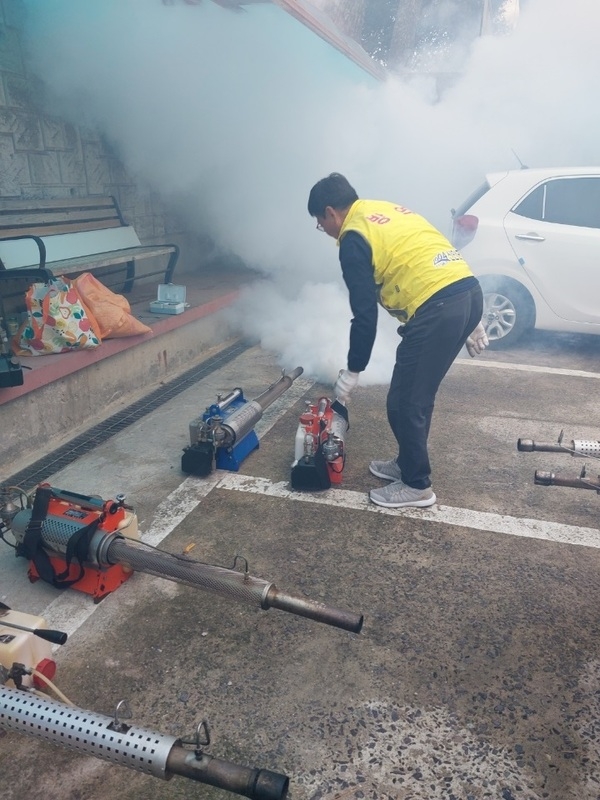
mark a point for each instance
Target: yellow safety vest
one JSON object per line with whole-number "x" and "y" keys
{"x": 412, "y": 260}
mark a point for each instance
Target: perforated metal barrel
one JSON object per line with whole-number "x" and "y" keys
{"x": 587, "y": 447}
{"x": 85, "y": 731}
{"x": 225, "y": 582}
{"x": 56, "y": 533}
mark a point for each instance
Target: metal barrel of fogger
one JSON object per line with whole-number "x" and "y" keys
{"x": 242, "y": 421}
{"x": 147, "y": 751}
{"x": 228, "y": 583}
{"x": 551, "y": 479}
{"x": 107, "y": 549}
{"x": 576, "y": 447}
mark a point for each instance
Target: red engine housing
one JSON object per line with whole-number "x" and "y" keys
{"x": 69, "y": 509}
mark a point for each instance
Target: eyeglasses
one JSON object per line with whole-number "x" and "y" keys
{"x": 320, "y": 227}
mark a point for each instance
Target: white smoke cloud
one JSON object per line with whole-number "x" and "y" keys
{"x": 239, "y": 114}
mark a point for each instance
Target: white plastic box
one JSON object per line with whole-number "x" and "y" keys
{"x": 170, "y": 299}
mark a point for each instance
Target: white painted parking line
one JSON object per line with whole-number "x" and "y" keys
{"x": 177, "y": 506}
{"x": 448, "y": 515}
{"x": 573, "y": 373}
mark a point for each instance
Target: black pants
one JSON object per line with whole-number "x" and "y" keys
{"x": 431, "y": 340}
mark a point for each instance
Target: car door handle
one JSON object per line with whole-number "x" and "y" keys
{"x": 530, "y": 237}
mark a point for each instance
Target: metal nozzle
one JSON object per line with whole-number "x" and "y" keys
{"x": 313, "y": 610}
{"x": 529, "y": 446}
{"x": 525, "y": 445}
{"x": 265, "y": 399}
{"x": 551, "y": 479}
{"x": 587, "y": 448}
{"x": 259, "y": 784}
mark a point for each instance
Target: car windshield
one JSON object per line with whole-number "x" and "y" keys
{"x": 471, "y": 199}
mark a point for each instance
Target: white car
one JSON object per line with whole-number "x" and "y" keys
{"x": 532, "y": 237}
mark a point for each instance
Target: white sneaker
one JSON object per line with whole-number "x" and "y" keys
{"x": 388, "y": 470}
{"x": 399, "y": 495}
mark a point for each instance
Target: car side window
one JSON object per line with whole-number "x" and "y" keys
{"x": 533, "y": 205}
{"x": 573, "y": 201}
{"x": 564, "y": 201}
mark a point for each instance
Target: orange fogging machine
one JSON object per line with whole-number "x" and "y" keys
{"x": 319, "y": 447}
{"x": 92, "y": 545}
{"x": 65, "y": 536}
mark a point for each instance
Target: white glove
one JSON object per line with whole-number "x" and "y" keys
{"x": 347, "y": 381}
{"x": 477, "y": 341}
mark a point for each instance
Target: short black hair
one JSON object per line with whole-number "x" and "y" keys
{"x": 334, "y": 191}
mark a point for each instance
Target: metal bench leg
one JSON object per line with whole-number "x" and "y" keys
{"x": 171, "y": 265}
{"x": 130, "y": 276}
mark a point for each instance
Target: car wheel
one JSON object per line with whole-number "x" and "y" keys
{"x": 508, "y": 313}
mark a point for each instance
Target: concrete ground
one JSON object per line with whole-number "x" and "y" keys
{"x": 477, "y": 672}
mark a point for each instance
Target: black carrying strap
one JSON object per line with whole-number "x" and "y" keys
{"x": 32, "y": 546}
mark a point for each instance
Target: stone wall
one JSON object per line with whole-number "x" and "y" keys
{"x": 42, "y": 156}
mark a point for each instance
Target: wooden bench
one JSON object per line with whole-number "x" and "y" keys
{"x": 75, "y": 235}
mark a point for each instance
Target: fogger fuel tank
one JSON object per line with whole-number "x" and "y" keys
{"x": 25, "y": 639}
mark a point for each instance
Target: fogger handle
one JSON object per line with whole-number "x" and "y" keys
{"x": 347, "y": 620}
{"x": 55, "y": 637}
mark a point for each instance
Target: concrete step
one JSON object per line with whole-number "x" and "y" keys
{"x": 63, "y": 395}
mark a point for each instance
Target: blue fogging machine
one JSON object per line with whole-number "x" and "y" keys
{"x": 224, "y": 435}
